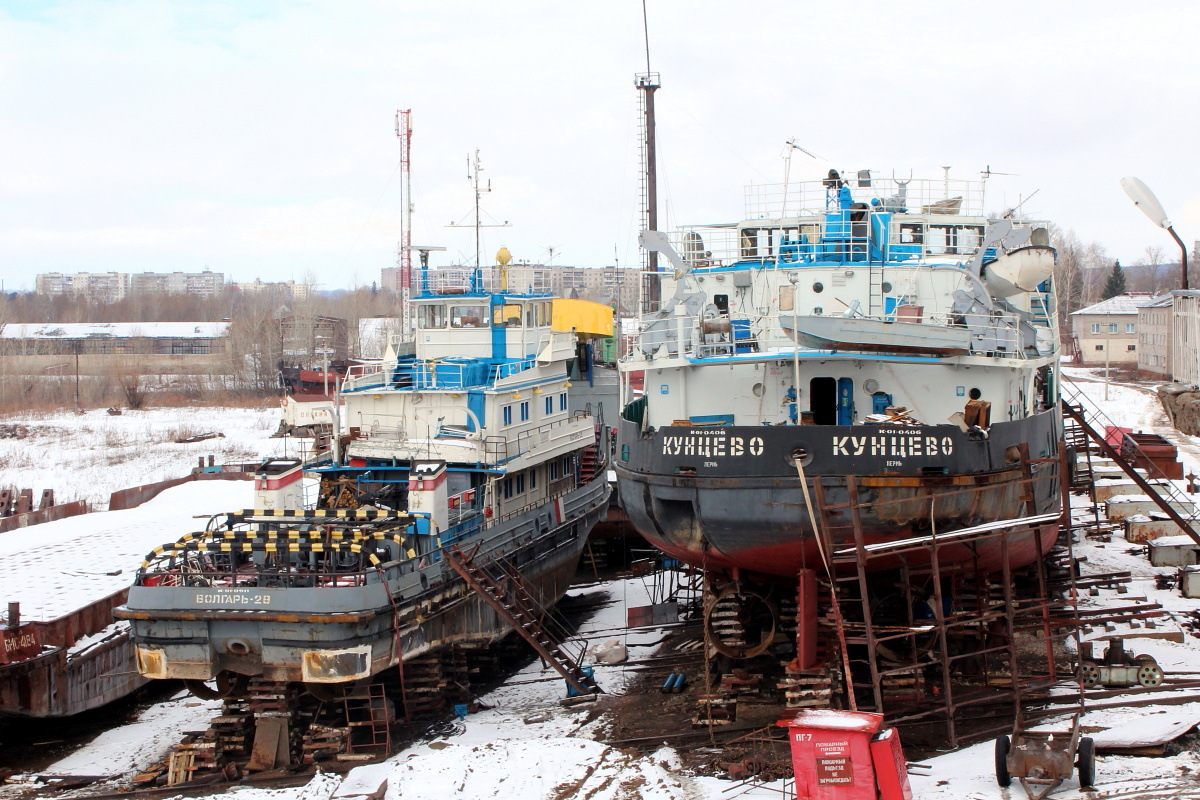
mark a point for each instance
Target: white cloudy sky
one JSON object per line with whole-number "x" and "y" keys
{"x": 257, "y": 138}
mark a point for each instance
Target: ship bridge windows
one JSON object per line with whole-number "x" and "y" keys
{"x": 431, "y": 316}
{"x": 756, "y": 242}
{"x": 469, "y": 316}
{"x": 953, "y": 239}
{"x": 507, "y": 315}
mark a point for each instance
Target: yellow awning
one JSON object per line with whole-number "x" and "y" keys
{"x": 585, "y": 317}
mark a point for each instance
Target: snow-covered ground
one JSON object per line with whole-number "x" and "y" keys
{"x": 91, "y": 455}
{"x": 527, "y": 747}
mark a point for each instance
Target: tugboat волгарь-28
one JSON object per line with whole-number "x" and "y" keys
{"x": 465, "y": 466}
{"x": 876, "y": 332}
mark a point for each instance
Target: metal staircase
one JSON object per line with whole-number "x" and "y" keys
{"x": 590, "y": 463}
{"x": 1164, "y": 494}
{"x": 503, "y": 590}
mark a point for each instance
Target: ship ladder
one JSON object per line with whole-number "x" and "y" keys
{"x": 1083, "y": 475}
{"x": 875, "y": 291}
{"x": 589, "y": 464}
{"x": 513, "y": 602}
{"x": 369, "y": 720}
{"x": 1165, "y": 495}
{"x": 841, "y": 579}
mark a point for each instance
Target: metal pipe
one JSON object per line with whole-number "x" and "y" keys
{"x": 1183, "y": 283}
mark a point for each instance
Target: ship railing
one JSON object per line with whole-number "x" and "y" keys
{"x": 464, "y": 507}
{"x": 533, "y": 438}
{"x": 433, "y": 374}
{"x": 272, "y": 579}
{"x": 897, "y": 193}
{"x": 527, "y": 279}
{"x": 719, "y": 337}
{"x": 364, "y": 376}
{"x": 796, "y": 243}
{"x": 554, "y": 489}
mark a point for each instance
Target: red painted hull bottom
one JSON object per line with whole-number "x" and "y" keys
{"x": 785, "y": 560}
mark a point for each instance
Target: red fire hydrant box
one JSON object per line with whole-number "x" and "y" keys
{"x": 834, "y": 759}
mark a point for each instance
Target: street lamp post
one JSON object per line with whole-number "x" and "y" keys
{"x": 1107, "y": 355}
{"x": 1144, "y": 199}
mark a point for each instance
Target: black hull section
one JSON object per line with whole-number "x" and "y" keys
{"x": 730, "y": 498}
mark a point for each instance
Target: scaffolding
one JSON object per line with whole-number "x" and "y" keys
{"x": 927, "y": 626}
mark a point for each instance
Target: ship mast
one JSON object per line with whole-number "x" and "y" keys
{"x": 474, "y": 167}
{"x": 404, "y": 133}
{"x": 647, "y": 83}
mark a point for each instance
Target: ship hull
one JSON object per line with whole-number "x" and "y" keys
{"x": 335, "y": 635}
{"x": 730, "y": 498}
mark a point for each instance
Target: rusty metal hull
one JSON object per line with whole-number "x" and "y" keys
{"x": 749, "y": 519}
{"x": 298, "y": 634}
{"x": 59, "y": 682}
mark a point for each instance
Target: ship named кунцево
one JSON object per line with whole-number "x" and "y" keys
{"x": 877, "y": 332}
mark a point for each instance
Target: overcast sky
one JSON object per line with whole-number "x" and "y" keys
{"x": 258, "y": 138}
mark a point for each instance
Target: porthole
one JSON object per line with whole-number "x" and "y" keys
{"x": 818, "y": 287}
{"x": 886, "y": 287}
{"x": 799, "y": 454}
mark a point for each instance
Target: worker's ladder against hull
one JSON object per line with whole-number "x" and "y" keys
{"x": 504, "y": 591}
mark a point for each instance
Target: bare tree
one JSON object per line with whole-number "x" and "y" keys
{"x": 1068, "y": 277}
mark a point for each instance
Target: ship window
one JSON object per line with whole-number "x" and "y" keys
{"x": 531, "y": 315}
{"x": 508, "y": 488}
{"x": 549, "y": 406}
{"x": 506, "y": 413}
{"x": 525, "y": 411}
{"x": 911, "y": 234}
{"x": 432, "y": 316}
{"x": 553, "y": 470}
{"x": 468, "y": 316}
{"x": 507, "y": 316}
{"x": 533, "y": 478}
{"x": 519, "y": 488}
{"x": 562, "y": 402}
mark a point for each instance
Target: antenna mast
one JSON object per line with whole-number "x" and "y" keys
{"x": 404, "y": 132}
{"x": 475, "y": 168}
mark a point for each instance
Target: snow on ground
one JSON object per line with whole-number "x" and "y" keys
{"x": 89, "y": 456}
{"x": 525, "y": 746}
{"x": 131, "y": 748}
